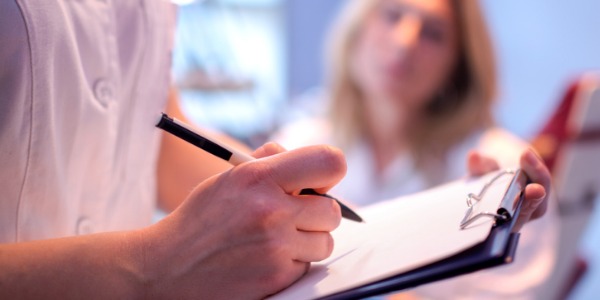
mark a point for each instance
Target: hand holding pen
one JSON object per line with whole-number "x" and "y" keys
{"x": 231, "y": 155}
{"x": 244, "y": 232}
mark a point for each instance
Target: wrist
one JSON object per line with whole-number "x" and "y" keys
{"x": 138, "y": 265}
{"x": 149, "y": 252}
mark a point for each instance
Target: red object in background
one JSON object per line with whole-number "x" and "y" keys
{"x": 559, "y": 131}
{"x": 555, "y": 132}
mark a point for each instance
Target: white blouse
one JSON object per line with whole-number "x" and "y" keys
{"x": 81, "y": 83}
{"x": 523, "y": 279}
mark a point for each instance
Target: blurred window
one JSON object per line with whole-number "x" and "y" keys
{"x": 229, "y": 64}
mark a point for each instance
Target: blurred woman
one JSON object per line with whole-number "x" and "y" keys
{"x": 411, "y": 89}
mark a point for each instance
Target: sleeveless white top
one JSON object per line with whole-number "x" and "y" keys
{"x": 81, "y": 85}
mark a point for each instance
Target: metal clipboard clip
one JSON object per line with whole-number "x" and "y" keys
{"x": 509, "y": 206}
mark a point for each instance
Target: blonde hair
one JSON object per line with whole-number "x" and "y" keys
{"x": 464, "y": 106}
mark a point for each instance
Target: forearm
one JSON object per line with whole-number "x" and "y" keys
{"x": 104, "y": 266}
{"x": 204, "y": 249}
{"x": 182, "y": 166}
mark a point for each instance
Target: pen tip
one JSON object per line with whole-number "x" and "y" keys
{"x": 351, "y": 215}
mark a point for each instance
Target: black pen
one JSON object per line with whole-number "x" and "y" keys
{"x": 230, "y": 154}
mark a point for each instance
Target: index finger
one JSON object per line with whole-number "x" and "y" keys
{"x": 317, "y": 167}
{"x": 535, "y": 169}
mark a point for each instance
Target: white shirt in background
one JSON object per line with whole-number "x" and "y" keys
{"x": 535, "y": 255}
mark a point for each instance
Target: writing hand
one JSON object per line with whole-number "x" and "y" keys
{"x": 244, "y": 233}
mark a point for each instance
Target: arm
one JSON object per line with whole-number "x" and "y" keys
{"x": 181, "y": 166}
{"x": 102, "y": 266}
{"x": 242, "y": 233}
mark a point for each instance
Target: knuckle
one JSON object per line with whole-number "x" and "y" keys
{"x": 329, "y": 243}
{"x": 275, "y": 250}
{"x": 266, "y": 214}
{"x": 253, "y": 174}
{"x": 336, "y": 215}
{"x": 264, "y": 202}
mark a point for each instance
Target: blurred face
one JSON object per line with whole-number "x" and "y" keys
{"x": 405, "y": 51}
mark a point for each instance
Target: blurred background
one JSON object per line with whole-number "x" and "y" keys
{"x": 245, "y": 67}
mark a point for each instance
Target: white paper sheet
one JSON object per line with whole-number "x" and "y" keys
{"x": 400, "y": 235}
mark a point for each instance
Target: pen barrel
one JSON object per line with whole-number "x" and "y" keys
{"x": 238, "y": 157}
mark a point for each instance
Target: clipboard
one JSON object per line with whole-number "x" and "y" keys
{"x": 497, "y": 248}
